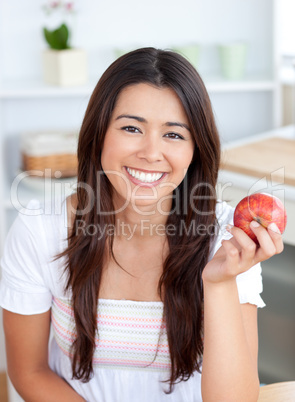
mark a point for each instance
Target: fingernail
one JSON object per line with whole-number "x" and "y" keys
{"x": 274, "y": 228}
{"x": 254, "y": 224}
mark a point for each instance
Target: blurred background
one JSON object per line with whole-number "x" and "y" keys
{"x": 244, "y": 51}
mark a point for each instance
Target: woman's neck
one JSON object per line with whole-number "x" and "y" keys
{"x": 142, "y": 221}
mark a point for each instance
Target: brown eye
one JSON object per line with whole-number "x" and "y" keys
{"x": 175, "y": 136}
{"x": 131, "y": 129}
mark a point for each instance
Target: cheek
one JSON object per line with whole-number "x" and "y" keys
{"x": 183, "y": 159}
{"x": 190, "y": 155}
{"x": 109, "y": 151}
{"x": 115, "y": 149}
{"x": 103, "y": 159}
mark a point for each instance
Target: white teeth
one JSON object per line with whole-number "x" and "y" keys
{"x": 137, "y": 175}
{"x": 145, "y": 177}
{"x": 142, "y": 176}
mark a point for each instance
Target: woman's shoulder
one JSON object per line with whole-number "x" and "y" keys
{"x": 30, "y": 273}
{"x": 224, "y": 212}
{"x": 41, "y": 227}
{"x": 47, "y": 218}
{"x": 224, "y": 216}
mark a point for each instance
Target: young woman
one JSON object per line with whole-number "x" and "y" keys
{"x": 151, "y": 294}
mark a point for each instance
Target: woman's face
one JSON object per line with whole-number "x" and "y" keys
{"x": 148, "y": 146}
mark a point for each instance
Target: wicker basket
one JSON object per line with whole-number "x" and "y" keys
{"x": 53, "y": 153}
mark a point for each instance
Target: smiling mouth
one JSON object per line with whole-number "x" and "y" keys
{"x": 144, "y": 177}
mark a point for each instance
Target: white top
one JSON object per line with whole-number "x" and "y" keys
{"x": 132, "y": 356}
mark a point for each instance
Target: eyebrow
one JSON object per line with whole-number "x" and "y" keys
{"x": 143, "y": 120}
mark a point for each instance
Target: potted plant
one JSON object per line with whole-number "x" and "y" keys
{"x": 63, "y": 65}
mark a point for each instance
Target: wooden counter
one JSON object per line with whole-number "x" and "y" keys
{"x": 273, "y": 158}
{"x": 279, "y": 392}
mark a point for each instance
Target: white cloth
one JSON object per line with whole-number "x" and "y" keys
{"x": 32, "y": 283}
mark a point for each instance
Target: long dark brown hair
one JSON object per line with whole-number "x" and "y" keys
{"x": 180, "y": 285}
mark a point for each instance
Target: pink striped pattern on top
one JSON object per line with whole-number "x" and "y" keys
{"x": 131, "y": 334}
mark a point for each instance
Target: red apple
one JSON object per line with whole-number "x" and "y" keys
{"x": 263, "y": 208}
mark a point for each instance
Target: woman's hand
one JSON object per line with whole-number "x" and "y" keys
{"x": 240, "y": 253}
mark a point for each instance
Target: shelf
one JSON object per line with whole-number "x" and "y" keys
{"x": 249, "y": 84}
{"x": 24, "y": 89}
{"x": 20, "y": 89}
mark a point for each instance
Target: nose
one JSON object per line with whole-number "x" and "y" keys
{"x": 150, "y": 149}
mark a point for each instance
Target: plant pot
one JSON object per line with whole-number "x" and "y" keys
{"x": 190, "y": 52}
{"x": 65, "y": 67}
{"x": 233, "y": 60}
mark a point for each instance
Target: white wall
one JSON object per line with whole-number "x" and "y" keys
{"x": 100, "y": 26}
{"x": 287, "y": 27}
